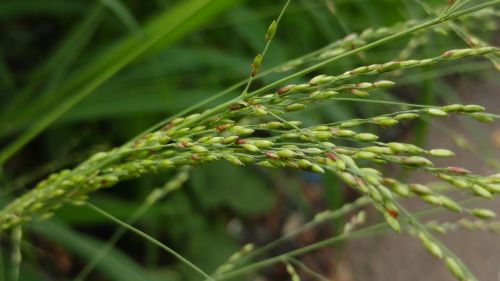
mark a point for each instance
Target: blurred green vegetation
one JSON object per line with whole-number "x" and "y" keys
{"x": 78, "y": 77}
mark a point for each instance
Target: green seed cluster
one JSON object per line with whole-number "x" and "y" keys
{"x": 230, "y": 135}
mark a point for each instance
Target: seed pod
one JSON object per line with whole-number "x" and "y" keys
{"x": 378, "y": 149}
{"x": 271, "y": 30}
{"x": 387, "y": 122}
{"x": 250, "y": 147}
{"x": 366, "y": 137}
{"x": 420, "y": 189}
{"x": 304, "y": 163}
{"x": 431, "y": 199}
{"x": 317, "y": 80}
{"x": 389, "y": 66}
{"x": 436, "y": 112}
{"x": 230, "y": 139}
{"x": 416, "y": 161}
{"x": 266, "y": 164}
{"x": 317, "y": 169}
{"x": 454, "y": 268}
{"x": 260, "y": 143}
{"x": 397, "y": 147}
{"x": 432, "y": 247}
{"x": 359, "y": 70}
{"x": 256, "y": 64}
{"x": 259, "y": 111}
{"x": 348, "y": 178}
{"x": 393, "y": 223}
{"x": 453, "y": 108}
{"x": 350, "y": 123}
{"x": 365, "y": 155}
{"x": 359, "y": 93}
{"x": 343, "y": 133}
{"x": 441, "y": 152}
{"x": 481, "y": 191}
{"x": 460, "y": 183}
{"x": 285, "y": 89}
{"x": 272, "y": 125}
{"x": 493, "y": 187}
{"x": 483, "y": 213}
{"x": 384, "y": 84}
{"x": 286, "y": 153}
{"x": 364, "y": 85}
{"x": 300, "y": 87}
{"x": 295, "y": 107}
{"x": 166, "y": 164}
{"x": 177, "y": 121}
{"x": 401, "y": 190}
{"x": 240, "y": 130}
{"x": 406, "y": 116}
{"x": 321, "y": 135}
{"x": 199, "y": 149}
{"x": 450, "y": 204}
{"x": 482, "y": 117}
{"x": 215, "y": 140}
{"x": 233, "y": 160}
{"x": 473, "y": 108}
{"x": 314, "y": 150}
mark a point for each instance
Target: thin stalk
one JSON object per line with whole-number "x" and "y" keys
{"x": 150, "y": 239}
{"x": 314, "y": 67}
{"x": 155, "y": 195}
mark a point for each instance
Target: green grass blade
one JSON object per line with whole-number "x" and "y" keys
{"x": 115, "y": 266}
{"x": 163, "y": 30}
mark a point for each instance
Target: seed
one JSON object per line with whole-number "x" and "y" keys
{"x": 454, "y": 268}
{"x": 317, "y": 169}
{"x": 393, "y": 223}
{"x": 416, "y": 161}
{"x": 321, "y": 135}
{"x": 317, "y": 80}
{"x": 366, "y": 137}
{"x": 344, "y": 133}
{"x": 261, "y": 143}
{"x": 432, "y": 247}
{"x": 406, "y": 116}
{"x": 441, "y": 152}
{"x": 450, "y": 204}
{"x": 271, "y": 30}
{"x": 286, "y": 153}
{"x": 295, "y": 107}
{"x": 384, "y": 84}
{"x": 420, "y": 189}
{"x": 240, "y": 130}
{"x": 482, "y": 117}
{"x": 473, "y": 108}
{"x": 199, "y": 149}
{"x": 481, "y": 191}
{"x": 397, "y": 147}
{"x": 359, "y": 93}
{"x": 365, "y": 155}
{"x": 436, "y": 112}
{"x": 250, "y": 147}
{"x": 453, "y": 107}
{"x": 483, "y": 213}
{"x": 350, "y": 123}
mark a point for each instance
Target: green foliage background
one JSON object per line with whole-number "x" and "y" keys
{"x": 78, "y": 77}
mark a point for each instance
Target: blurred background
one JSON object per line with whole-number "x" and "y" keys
{"x": 78, "y": 77}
